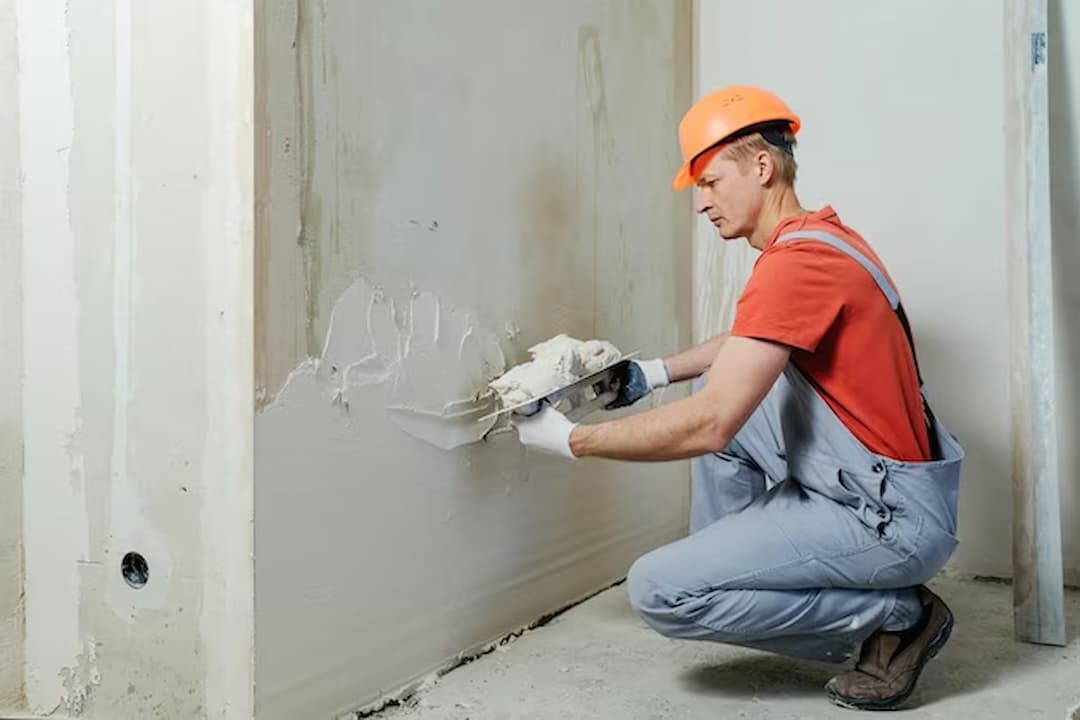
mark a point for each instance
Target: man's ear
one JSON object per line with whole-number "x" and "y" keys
{"x": 765, "y": 167}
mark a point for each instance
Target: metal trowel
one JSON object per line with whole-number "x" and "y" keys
{"x": 579, "y": 398}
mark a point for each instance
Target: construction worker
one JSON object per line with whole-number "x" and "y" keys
{"x": 824, "y": 491}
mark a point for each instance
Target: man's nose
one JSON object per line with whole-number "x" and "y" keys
{"x": 701, "y": 202}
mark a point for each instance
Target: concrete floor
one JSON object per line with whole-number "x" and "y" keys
{"x": 598, "y": 660}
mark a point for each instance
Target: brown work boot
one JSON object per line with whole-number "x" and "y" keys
{"x": 890, "y": 662}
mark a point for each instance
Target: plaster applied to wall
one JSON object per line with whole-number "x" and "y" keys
{"x": 410, "y": 553}
{"x": 432, "y": 363}
{"x": 440, "y": 188}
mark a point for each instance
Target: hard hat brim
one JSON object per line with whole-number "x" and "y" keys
{"x": 683, "y": 179}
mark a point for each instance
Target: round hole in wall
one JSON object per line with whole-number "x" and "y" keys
{"x": 135, "y": 569}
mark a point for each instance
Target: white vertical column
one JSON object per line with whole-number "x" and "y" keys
{"x": 55, "y": 523}
{"x": 227, "y": 621}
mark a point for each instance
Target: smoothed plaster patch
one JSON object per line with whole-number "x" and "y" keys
{"x": 433, "y": 362}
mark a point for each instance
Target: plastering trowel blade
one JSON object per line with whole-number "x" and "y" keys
{"x": 583, "y": 396}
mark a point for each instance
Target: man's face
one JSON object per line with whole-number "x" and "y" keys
{"x": 730, "y": 195}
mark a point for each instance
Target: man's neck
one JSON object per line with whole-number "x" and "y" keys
{"x": 778, "y": 207}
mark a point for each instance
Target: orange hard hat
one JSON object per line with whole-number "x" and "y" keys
{"x": 723, "y": 115}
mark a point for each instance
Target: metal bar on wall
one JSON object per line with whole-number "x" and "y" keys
{"x": 1038, "y": 592}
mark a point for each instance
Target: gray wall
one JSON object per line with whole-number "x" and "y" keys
{"x": 441, "y": 185}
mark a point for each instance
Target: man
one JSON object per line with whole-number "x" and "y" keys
{"x": 824, "y": 489}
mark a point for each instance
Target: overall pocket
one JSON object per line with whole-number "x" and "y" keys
{"x": 828, "y": 476}
{"x": 922, "y": 549}
{"x": 928, "y": 493}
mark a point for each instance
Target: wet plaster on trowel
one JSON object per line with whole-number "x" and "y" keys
{"x": 555, "y": 362}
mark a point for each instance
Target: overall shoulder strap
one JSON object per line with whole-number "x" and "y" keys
{"x": 892, "y": 296}
{"x": 845, "y": 247}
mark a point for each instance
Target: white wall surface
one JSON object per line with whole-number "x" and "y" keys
{"x": 442, "y": 184}
{"x": 126, "y": 261}
{"x": 902, "y": 106}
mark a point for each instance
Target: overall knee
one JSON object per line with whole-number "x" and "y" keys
{"x": 658, "y": 597}
{"x": 681, "y": 612}
{"x": 649, "y": 595}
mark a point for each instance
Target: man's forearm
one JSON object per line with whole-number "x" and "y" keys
{"x": 696, "y": 361}
{"x": 681, "y": 429}
{"x": 740, "y": 376}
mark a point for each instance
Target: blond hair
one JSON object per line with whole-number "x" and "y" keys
{"x": 743, "y": 149}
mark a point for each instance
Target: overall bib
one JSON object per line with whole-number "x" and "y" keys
{"x": 803, "y": 542}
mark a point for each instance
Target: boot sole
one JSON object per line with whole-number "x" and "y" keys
{"x": 895, "y": 702}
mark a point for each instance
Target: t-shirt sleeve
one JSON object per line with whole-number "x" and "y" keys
{"x": 794, "y": 296}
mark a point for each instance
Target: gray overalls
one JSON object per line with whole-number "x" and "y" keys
{"x": 803, "y": 542}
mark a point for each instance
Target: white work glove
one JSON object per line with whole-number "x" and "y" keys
{"x": 547, "y": 430}
{"x": 642, "y": 377}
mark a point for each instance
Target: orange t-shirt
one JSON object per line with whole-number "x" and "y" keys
{"x": 845, "y": 336}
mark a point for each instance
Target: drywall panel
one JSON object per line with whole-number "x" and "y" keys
{"x": 1064, "y": 79}
{"x": 903, "y": 109}
{"x": 11, "y": 437}
{"x": 135, "y": 213}
{"x": 442, "y": 186}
